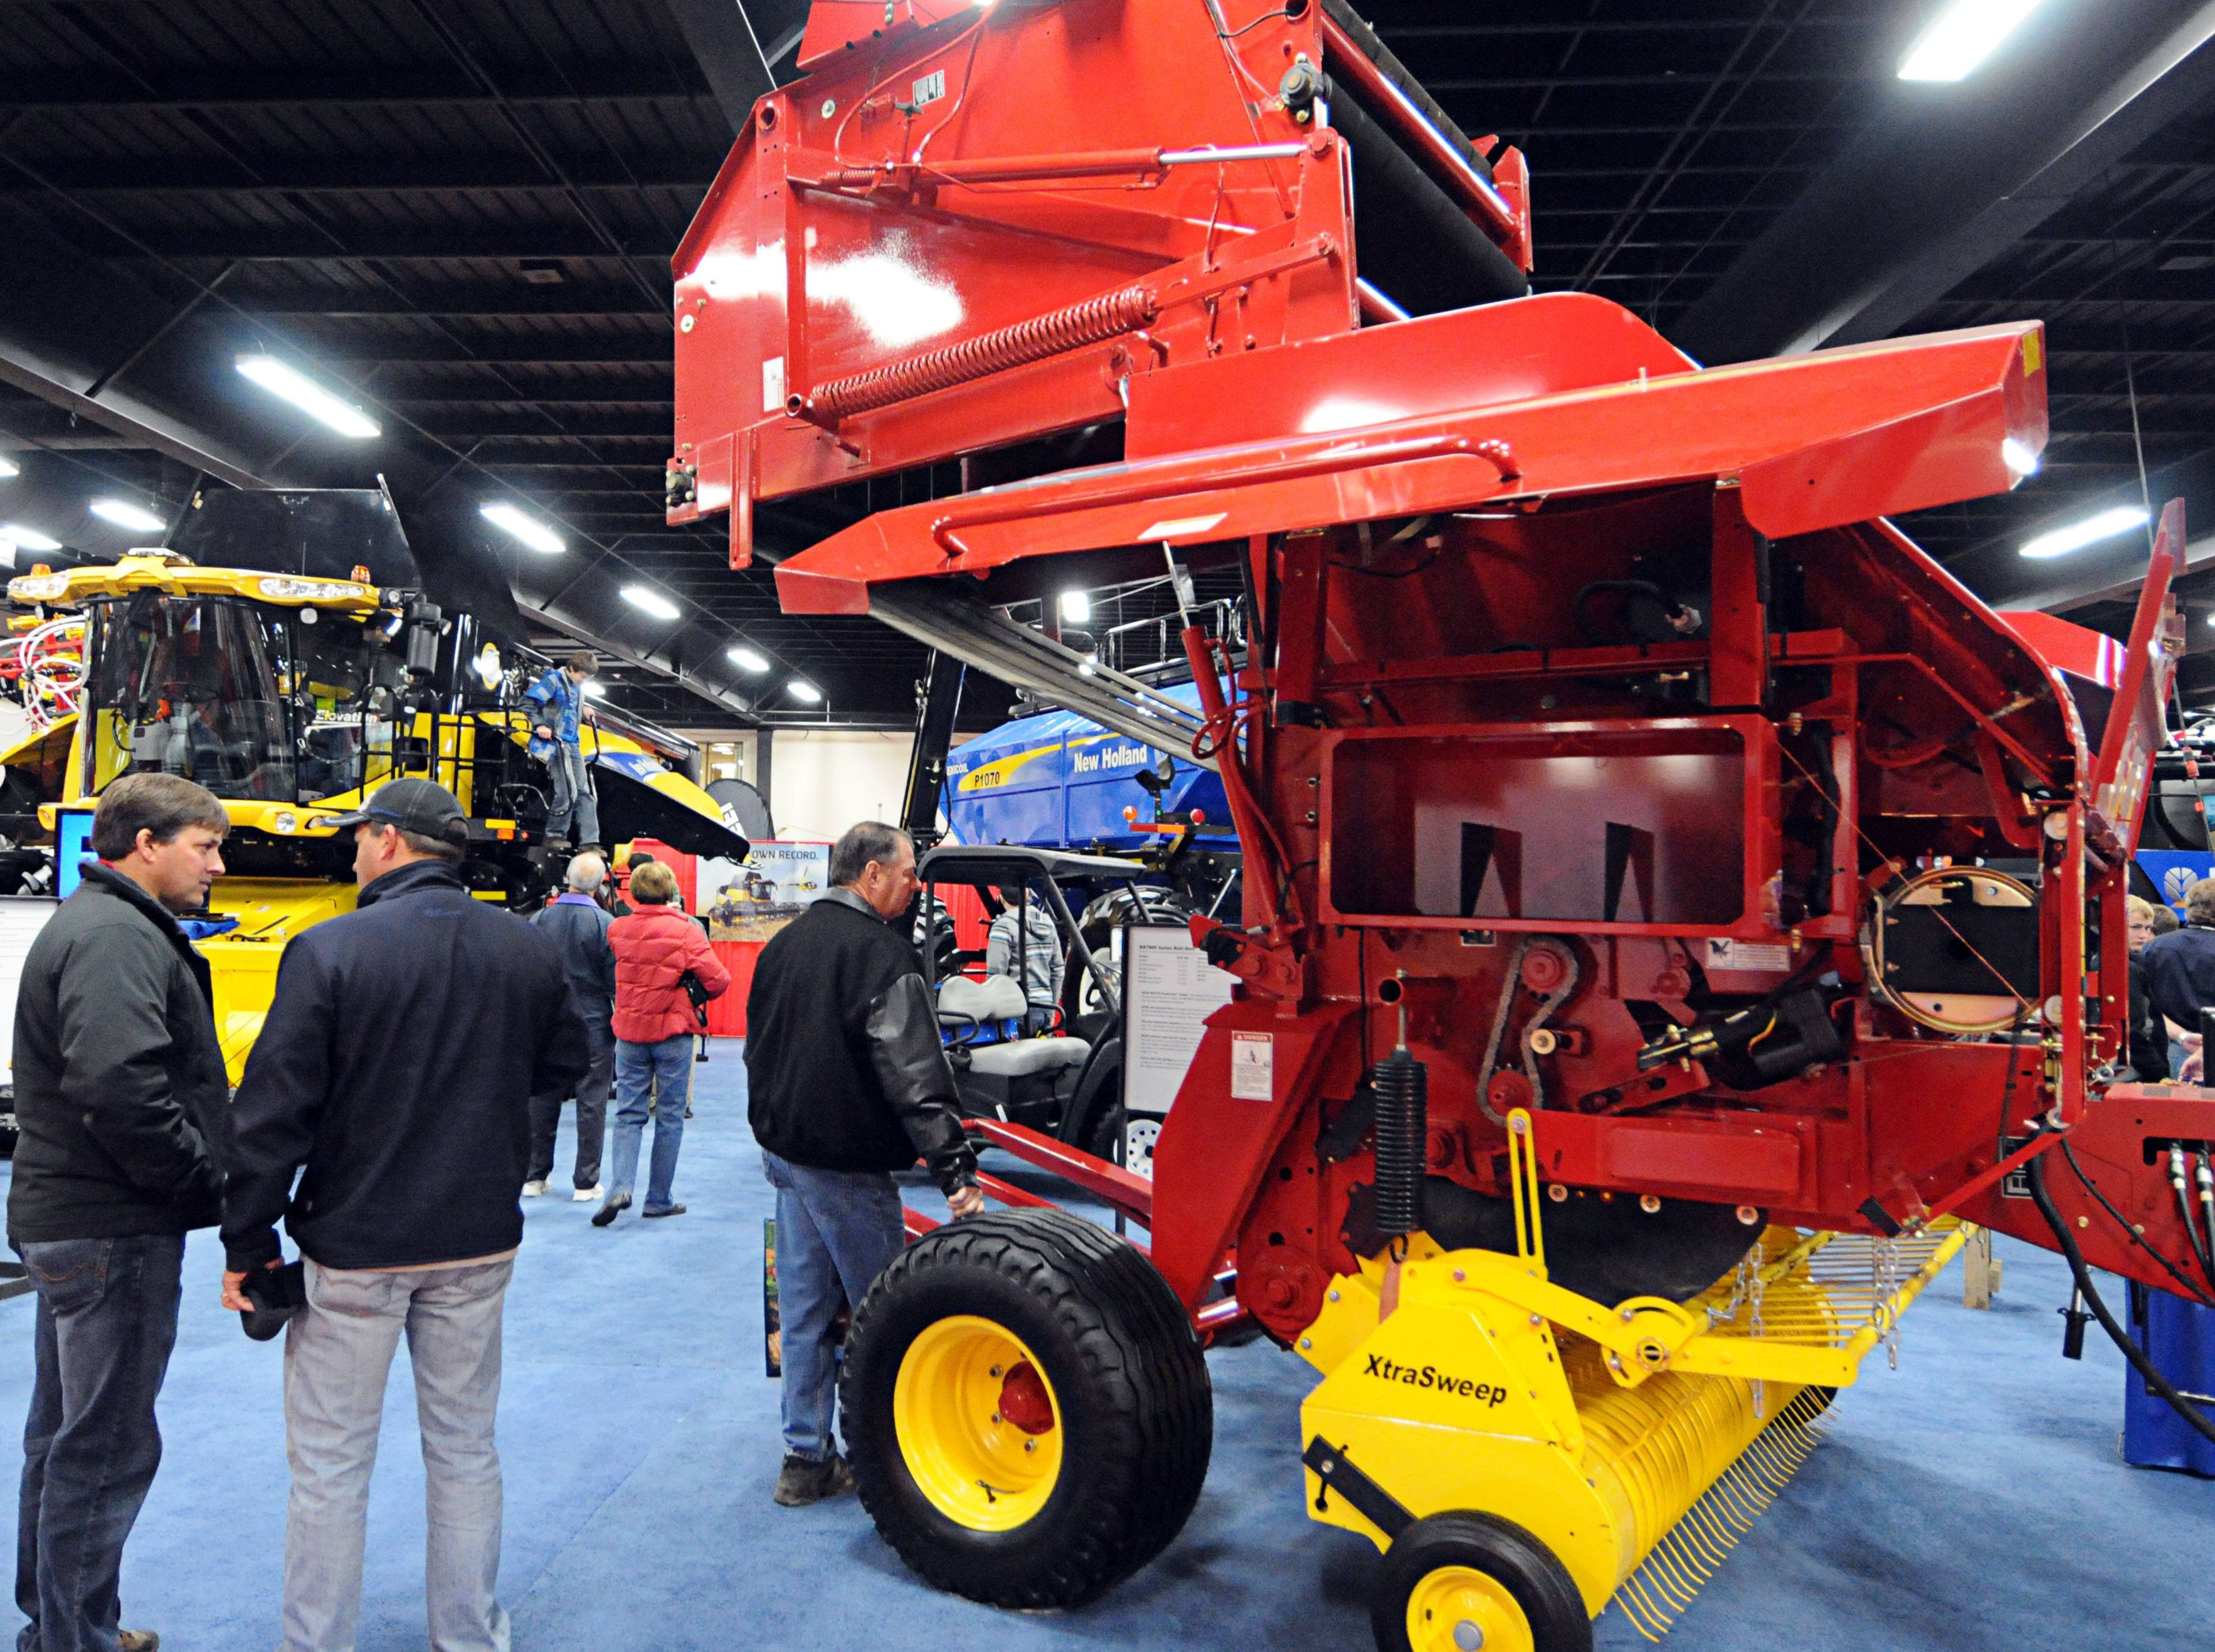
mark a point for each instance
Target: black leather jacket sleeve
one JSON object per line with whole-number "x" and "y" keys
{"x": 902, "y": 1032}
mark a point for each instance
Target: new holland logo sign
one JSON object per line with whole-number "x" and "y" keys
{"x": 2173, "y": 872}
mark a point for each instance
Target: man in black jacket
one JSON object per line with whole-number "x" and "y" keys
{"x": 396, "y": 1066}
{"x": 847, "y": 1082}
{"x": 120, "y": 1089}
{"x": 577, "y": 925}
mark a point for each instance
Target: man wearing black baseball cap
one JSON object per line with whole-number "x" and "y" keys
{"x": 397, "y": 1068}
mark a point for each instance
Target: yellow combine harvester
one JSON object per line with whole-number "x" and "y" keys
{"x": 292, "y": 697}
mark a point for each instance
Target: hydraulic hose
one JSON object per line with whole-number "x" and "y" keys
{"x": 2207, "y": 1198}
{"x": 2193, "y": 1416}
{"x": 2137, "y": 1238}
{"x": 2193, "y": 1242}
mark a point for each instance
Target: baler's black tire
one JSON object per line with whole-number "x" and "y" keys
{"x": 1132, "y": 1400}
{"x": 1502, "y": 1550}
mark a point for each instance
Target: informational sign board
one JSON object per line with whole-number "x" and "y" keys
{"x": 776, "y": 884}
{"x": 1169, "y": 991}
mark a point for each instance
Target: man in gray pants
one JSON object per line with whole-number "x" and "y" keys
{"x": 394, "y": 1076}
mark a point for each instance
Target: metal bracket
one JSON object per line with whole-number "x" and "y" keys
{"x": 1370, "y": 1501}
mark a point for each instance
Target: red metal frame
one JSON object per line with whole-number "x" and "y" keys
{"x": 1430, "y": 515}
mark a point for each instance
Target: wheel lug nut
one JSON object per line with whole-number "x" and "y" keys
{"x": 1030, "y": 1445}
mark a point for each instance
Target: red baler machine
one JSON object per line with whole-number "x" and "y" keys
{"x": 1661, "y": 876}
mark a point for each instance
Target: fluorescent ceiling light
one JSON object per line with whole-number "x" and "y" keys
{"x": 1075, "y": 608}
{"x": 537, "y": 535}
{"x": 2093, "y": 529}
{"x": 1961, "y": 37}
{"x": 125, "y": 514}
{"x": 806, "y": 691}
{"x": 308, "y": 397}
{"x": 28, "y": 538}
{"x": 595, "y": 691}
{"x": 9, "y": 467}
{"x": 649, "y": 601}
{"x": 747, "y": 659}
{"x": 2018, "y": 457}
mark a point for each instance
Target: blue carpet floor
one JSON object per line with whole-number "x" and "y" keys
{"x": 1973, "y": 1499}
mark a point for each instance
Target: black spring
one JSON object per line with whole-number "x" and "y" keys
{"x": 1401, "y": 1084}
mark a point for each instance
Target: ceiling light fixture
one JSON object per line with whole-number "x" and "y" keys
{"x": 308, "y": 397}
{"x": 596, "y": 691}
{"x": 535, "y": 534}
{"x": 807, "y": 692}
{"x": 1961, "y": 37}
{"x": 125, "y": 514}
{"x": 25, "y": 538}
{"x": 9, "y": 467}
{"x": 2018, "y": 457}
{"x": 747, "y": 659}
{"x": 1075, "y": 608}
{"x": 648, "y": 600}
{"x": 2093, "y": 529}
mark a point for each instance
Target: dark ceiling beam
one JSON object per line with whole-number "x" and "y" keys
{"x": 342, "y": 242}
{"x": 525, "y": 350}
{"x": 1673, "y": 27}
{"x": 436, "y": 300}
{"x": 561, "y": 85}
{"x": 614, "y": 390}
{"x": 362, "y": 175}
{"x": 64, "y": 339}
{"x": 729, "y": 52}
{"x": 2118, "y": 573}
{"x": 1955, "y": 173}
{"x": 585, "y": 629}
{"x": 1670, "y": 79}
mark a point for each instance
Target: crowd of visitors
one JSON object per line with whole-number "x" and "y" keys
{"x": 396, "y": 1164}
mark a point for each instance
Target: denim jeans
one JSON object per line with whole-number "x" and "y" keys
{"x": 836, "y": 1232}
{"x": 107, "y": 1321}
{"x": 573, "y": 797}
{"x": 592, "y": 1109}
{"x": 659, "y": 1075}
{"x": 338, "y": 1351}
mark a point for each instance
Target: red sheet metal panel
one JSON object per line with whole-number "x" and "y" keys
{"x": 1821, "y": 441}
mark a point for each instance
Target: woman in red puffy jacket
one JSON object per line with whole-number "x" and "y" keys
{"x": 655, "y": 945}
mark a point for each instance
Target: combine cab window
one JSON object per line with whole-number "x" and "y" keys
{"x": 187, "y": 686}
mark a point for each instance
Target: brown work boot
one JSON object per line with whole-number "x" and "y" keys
{"x": 137, "y": 1640}
{"x": 804, "y": 1480}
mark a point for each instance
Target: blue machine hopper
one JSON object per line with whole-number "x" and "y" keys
{"x": 1061, "y": 780}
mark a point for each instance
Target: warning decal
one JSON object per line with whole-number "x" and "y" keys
{"x": 1253, "y": 1066}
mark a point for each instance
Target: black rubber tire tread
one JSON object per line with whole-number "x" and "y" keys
{"x": 1540, "y": 1583}
{"x": 1103, "y": 1134}
{"x": 1137, "y": 1407}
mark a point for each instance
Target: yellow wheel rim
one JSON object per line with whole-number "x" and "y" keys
{"x": 1460, "y": 1609}
{"x": 978, "y": 1425}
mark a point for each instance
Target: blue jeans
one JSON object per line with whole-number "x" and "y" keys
{"x": 661, "y": 1074}
{"x": 836, "y": 1232}
{"x": 573, "y": 797}
{"x": 107, "y": 1321}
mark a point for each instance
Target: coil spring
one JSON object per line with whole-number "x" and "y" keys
{"x": 1402, "y": 1085}
{"x": 1052, "y": 334}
